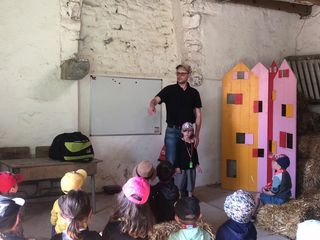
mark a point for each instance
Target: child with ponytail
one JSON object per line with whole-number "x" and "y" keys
{"x": 76, "y": 210}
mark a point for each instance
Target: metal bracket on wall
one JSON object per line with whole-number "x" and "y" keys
{"x": 301, "y": 9}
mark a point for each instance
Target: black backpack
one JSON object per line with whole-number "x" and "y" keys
{"x": 71, "y": 147}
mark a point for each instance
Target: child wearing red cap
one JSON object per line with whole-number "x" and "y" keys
{"x": 9, "y": 183}
{"x": 132, "y": 218}
{"x": 8, "y": 188}
{"x": 279, "y": 191}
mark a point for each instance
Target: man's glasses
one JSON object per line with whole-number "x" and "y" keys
{"x": 181, "y": 73}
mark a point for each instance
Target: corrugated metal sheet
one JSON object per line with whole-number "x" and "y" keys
{"x": 307, "y": 71}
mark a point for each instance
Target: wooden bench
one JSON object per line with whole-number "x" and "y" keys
{"x": 42, "y": 151}
{"x": 40, "y": 169}
{"x": 14, "y": 152}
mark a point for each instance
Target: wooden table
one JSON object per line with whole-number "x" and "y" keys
{"x": 39, "y": 169}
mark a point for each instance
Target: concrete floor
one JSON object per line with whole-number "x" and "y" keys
{"x": 37, "y": 213}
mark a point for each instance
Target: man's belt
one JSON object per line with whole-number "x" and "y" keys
{"x": 174, "y": 126}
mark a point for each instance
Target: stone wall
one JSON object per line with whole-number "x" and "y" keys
{"x": 35, "y": 104}
{"x": 134, "y": 38}
{"x": 149, "y": 38}
{"x": 308, "y": 34}
{"x": 129, "y": 37}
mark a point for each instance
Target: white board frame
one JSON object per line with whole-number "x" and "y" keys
{"x": 118, "y": 106}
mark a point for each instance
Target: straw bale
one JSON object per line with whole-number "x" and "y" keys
{"x": 309, "y": 146}
{"x": 283, "y": 219}
{"x": 308, "y": 122}
{"x": 162, "y": 231}
{"x": 308, "y": 174}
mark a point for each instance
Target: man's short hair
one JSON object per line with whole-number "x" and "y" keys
{"x": 165, "y": 171}
{"x": 187, "y": 209}
{"x": 185, "y": 66}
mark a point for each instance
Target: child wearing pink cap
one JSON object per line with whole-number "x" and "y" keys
{"x": 133, "y": 218}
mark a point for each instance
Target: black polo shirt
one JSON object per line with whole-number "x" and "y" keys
{"x": 180, "y": 104}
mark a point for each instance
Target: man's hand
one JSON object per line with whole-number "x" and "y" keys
{"x": 199, "y": 169}
{"x": 152, "y": 110}
{"x": 152, "y": 105}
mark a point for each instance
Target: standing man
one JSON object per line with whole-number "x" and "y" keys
{"x": 183, "y": 104}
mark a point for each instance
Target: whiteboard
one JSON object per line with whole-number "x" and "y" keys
{"x": 119, "y": 106}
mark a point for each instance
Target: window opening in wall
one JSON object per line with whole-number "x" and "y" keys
{"x": 231, "y": 168}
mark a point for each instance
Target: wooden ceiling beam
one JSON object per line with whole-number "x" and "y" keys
{"x": 310, "y": 2}
{"x": 302, "y": 10}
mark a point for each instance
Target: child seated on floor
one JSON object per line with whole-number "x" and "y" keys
{"x": 132, "y": 218}
{"x": 146, "y": 170}
{"x": 70, "y": 181}
{"x": 164, "y": 194}
{"x": 8, "y": 188}
{"x": 10, "y": 211}
{"x": 279, "y": 191}
{"x": 239, "y": 207}
{"x": 187, "y": 213}
{"x": 9, "y": 183}
{"x": 76, "y": 210}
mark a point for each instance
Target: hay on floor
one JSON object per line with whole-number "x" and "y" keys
{"x": 162, "y": 231}
{"x": 283, "y": 219}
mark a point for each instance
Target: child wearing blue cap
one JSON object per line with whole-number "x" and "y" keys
{"x": 279, "y": 191}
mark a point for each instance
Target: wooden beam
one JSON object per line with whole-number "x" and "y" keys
{"x": 302, "y": 10}
{"x": 309, "y": 2}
